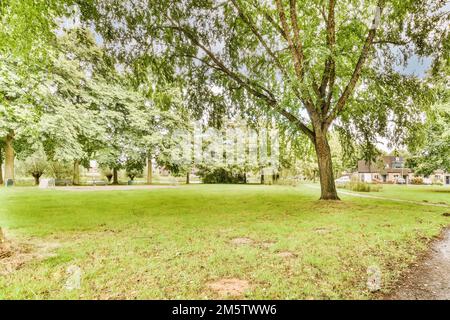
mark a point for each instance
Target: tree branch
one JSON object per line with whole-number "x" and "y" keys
{"x": 271, "y": 21}
{"x": 329, "y": 70}
{"x": 253, "y": 28}
{"x": 267, "y": 96}
{"x": 298, "y": 59}
{"x": 297, "y": 43}
{"x": 293, "y": 119}
{"x": 358, "y": 68}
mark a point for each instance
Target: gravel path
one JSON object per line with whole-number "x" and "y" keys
{"x": 429, "y": 279}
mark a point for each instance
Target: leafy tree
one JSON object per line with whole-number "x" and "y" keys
{"x": 26, "y": 27}
{"x": 431, "y": 150}
{"x": 1, "y": 163}
{"x": 435, "y": 155}
{"x": 311, "y": 64}
{"x": 20, "y": 91}
{"x": 36, "y": 165}
{"x": 134, "y": 168}
{"x": 60, "y": 169}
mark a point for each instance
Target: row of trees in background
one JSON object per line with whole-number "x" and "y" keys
{"x": 315, "y": 66}
{"x": 78, "y": 108}
{"x": 320, "y": 70}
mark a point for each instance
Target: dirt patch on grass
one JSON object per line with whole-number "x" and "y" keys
{"x": 242, "y": 241}
{"x": 267, "y": 244}
{"x": 286, "y": 254}
{"x": 322, "y": 230}
{"x": 428, "y": 279}
{"x": 229, "y": 287}
{"x": 14, "y": 255}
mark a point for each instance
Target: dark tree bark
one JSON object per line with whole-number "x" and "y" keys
{"x": 149, "y": 171}
{"x": 115, "y": 177}
{"x": 327, "y": 185}
{"x": 76, "y": 173}
{"x": 187, "y": 178}
{"x": 9, "y": 157}
{"x": 36, "y": 177}
{"x": 1, "y": 165}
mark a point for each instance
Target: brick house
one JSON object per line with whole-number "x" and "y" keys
{"x": 386, "y": 169}
{"x": 390, "y": 168}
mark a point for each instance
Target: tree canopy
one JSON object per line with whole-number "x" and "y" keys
{"x": 310, "y": 64}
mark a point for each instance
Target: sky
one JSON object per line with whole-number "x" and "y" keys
{"x": 417, "y": 66}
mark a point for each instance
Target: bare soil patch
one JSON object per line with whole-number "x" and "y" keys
{"x": 229, "y": 287}
{"x": 267, "y": 244}
{"x": 242, "y": 241}
{"x": 286, "y": 254}
{"x": 14, "y": 255}
{"x": 429, "y": 279}
{"x": 323, "y": 230}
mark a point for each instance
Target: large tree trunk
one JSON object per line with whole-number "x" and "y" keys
{"x": 76, "y": 173}
{"x": 327, "y": 185}
{"x": 149, "y": 171}
{"x": 187, "y": 178}
{"x": 115, "y": 177}
{"x": 9, "y": 157}
{"x": 1, "y": 165}
{"x": 36, "y": 179}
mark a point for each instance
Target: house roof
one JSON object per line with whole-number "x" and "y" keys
{"x": 367, "y": 167}
{"x": 375, "y": 167}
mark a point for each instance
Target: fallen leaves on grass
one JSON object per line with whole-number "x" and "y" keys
{"x": 13, "y": 255}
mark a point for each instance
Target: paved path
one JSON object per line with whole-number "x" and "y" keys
{"x": 429, "y": 279}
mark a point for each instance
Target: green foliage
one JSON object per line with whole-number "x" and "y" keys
{"x": 134, "y": 168}
{"x": 60, "y": 169}
{"x": 26, "y": 27}
{"x": 36, "y": 165}
{"x": 433, "y": 151}
{"x": 359, "y": 186}
{"x": 221, "y": 175}
{"x": 236, "y": 47}
{"x": 417, "y": 180}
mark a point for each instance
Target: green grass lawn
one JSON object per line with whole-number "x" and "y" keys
{"x": 170, "y": 243}
{"x": 432, "y": 194}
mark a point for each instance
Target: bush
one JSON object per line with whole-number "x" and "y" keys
{"x": 360, "y": 186}
{"x": 107, "y": 172}
{"x": 221, "y": 175}
{"x": 133, "y": 173}
{"x": 61, "y": 170}
{"x": 417, "y": 180}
